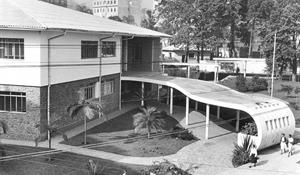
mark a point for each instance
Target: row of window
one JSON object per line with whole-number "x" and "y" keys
{"x": 89, "y": 49}
{"x": 12, "y": 101}
{"x": 277, "y": 123}
{"x": 107, "y": 88}
{"x": 104, "y": 2}
{"x": 105, "y": 9}
{"x": 11, "y": 48}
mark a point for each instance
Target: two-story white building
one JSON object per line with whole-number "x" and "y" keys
{"x": 49, "y": 53}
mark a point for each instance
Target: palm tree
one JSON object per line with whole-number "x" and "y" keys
{"x": 86, "y": 109}
{"x": 149, "y": 118}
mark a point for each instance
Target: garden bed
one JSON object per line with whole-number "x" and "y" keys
{"x": 120, "y": 130}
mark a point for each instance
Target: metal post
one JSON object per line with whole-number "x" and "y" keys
{"x": 143, "y": 89}
{"x": 207, "y": 121}
{"x": 171, "y": 101}
{"x": 273, "y": 65}
{"x": 188, "y": 72}
{"x": 245, "y": 68}
{"x": 196, "y": 106}
{"x": 187, "y": 106}
{"x": 218, "y": 112}
{"x": 158, "y": 96}
{"x": 168, "y": 95}
{"x": 237, "y": 126}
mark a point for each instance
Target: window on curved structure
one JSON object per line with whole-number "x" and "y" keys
{"x": 267, "y": 125}
{"x": 275, "y": 123}
{"x": 287, "y": 120}
{"x": 279, "y": 121}
{"x": 271, "y": 123}
{"x": 283, "y": 121}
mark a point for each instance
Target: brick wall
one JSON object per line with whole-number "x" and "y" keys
{"x": 22, "y": 125}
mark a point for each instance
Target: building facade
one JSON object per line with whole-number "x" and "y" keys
{"x": 131, "y": 10}
{"x": 51, "y": 64}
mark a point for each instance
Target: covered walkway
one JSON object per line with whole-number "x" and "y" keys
{"x": 272, "y": 116}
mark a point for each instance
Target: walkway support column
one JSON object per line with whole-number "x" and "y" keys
{"x": 188, "y": 72}
{"x": 158, "y": 96}
{"x": 143, "y": 91}
{"x": 196, "y": 106}
{"x": 237, "y": 126}
{"x": 218, "y": 112}
{"x": 168, "y": 95}
{"x": 187, "y": 107}
{"x": 171, "y": 101}
{"x": 245, "y": 68}
{"x": 207, "y": 121}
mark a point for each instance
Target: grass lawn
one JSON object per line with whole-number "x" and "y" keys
{"x": 63, "y": 164}
{"x": 122, "y": 128}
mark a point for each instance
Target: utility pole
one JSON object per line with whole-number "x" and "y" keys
{"x": 273, "y": 66}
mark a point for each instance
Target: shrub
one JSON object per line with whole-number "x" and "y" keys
{"x": 259, "y": 84}
{"x": 250, "y": 129}
{"x": 241, "y": 83}
{"x": 165, "y": 168}
{"x": 241, "y": 153}
{"x": 286, "y": 88}
{"x": 182, "y": 134}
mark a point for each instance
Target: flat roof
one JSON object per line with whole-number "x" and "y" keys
{"x": 39, "y": 15}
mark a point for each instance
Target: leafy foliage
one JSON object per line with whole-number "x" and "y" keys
{"x": 166, "y": 168}
{"x": 4, "y": 128}
{"x": 255, "y": 84}
{"x": 182, "y": 133}
{"x": 84, "y": 9}
{"x": 241, "y": 153}
{"x": 241, "y": 83}
{"x": 249, "y": 129}
{"x": 149, "y": 118}
{"x": 288, "y": 89}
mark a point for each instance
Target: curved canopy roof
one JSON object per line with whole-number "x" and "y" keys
{"x": 210, "y": 93}
{"x": 39, "y": 15}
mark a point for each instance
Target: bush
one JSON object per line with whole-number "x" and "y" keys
{"x": 241, "y": 83}
{"x": 182, "y": 134}
{"x": 241, "y": 153}
{"x": 165, "y": 168}
{"x": 250, "y": 129}
{"x": 259, "y": 84}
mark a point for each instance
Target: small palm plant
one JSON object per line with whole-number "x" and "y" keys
{"x": 4, "y": 127}
{"x": 87, "y": 110}
{"x": 148, "y": 117}
{"x": 241, "y": 153}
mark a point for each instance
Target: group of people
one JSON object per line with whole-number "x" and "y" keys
{"x": 286, "y": 144}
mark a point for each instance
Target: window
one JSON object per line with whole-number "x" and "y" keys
{"x": 108, "y": 87}
{"x": 89, "y": 91}
{"x": 12, "y": 101}
{"x": 11, "y": 48}
{"x": 267, "y": 126}
{"x": 89, "y": 49}
{"x": 283, "y": 120}
{"x": 108, "y": 48}
{"x": 271, "y": 123}
{"x": 279, "y": 121}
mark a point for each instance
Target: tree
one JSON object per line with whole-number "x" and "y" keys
{"x": 83, "y": 8}
{"x": 284, "y": 20}
{"x": 87, "y": 110}
{"x": 150, "y": 21}
{"x": 149, "y": 118}
{"x": 115, "y": 18}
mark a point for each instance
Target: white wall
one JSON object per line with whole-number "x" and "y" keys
{"x": 22, "y": 72}
{"x": 66, "y": 63}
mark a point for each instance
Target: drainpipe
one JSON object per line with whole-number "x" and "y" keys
{"x": 49, "y": 84}
{"x": 100, "y": 69}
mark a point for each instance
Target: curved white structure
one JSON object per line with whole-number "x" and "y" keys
{"x": 272, "y": 116}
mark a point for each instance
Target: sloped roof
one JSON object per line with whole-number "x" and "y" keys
{"x": 38, "y": 15}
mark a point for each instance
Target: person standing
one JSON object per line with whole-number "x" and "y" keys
{"x": 290, "y": 145}
{"x": 283, "y": 144}
{"x": 253, "y": 156}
